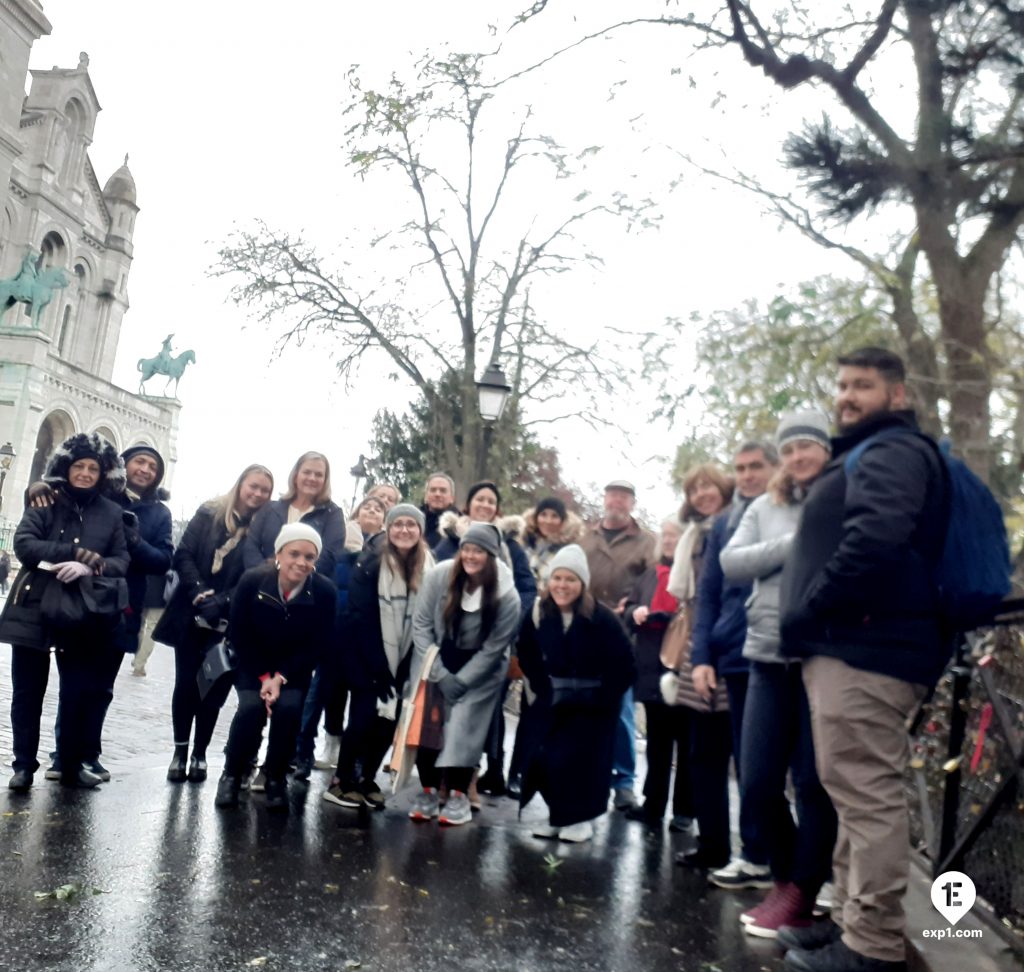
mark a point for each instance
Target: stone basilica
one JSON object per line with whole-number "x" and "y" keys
{"x": 55, "y": 378}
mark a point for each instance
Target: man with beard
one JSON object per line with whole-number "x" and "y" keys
{"x": 619, "y": 551}
{"x": 860, "y": 605}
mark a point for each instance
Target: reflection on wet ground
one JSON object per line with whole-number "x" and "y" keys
{"x": 183, "y": 886}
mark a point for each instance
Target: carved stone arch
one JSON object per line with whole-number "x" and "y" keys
{"x": 53, "y": 248}
{"x": 109, "y": 431}
{"x": 58, "y": 425}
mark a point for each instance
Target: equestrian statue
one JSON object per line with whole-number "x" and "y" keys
{"x": 165, "y": 364}
{"x": 31, "y": 286}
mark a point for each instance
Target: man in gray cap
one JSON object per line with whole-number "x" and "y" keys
{"x": 619, "y": 551}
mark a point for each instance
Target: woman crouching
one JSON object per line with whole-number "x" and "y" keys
{"x": 577, "y": 660}
{"x": 469, "y": 607}
{"x": 280, "y": 614}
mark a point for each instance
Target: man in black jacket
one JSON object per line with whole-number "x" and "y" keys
{"x": 860, "y": 605}
{"x": 438, "y": 499}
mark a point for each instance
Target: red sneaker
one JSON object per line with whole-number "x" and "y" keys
{"x": 751, "y": 914}
{"x": 790, "y": 906}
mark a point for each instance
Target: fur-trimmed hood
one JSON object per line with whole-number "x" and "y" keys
{"x": 88, "y": 445}
{"x": 454, "y": 526}
{"x": 573, "y": 529}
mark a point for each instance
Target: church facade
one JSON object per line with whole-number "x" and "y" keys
{"x": 59, "y": 223}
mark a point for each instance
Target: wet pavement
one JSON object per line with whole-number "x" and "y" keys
{"x": 157, "y": 878}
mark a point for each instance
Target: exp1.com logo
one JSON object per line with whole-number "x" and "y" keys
{"x": 953, "y": 895}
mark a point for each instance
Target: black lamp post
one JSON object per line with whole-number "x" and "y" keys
{"x": 7, "y": 456}
{"x": 493, "y": 391}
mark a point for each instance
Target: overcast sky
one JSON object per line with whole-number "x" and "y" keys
{"x": 231, "y": 111}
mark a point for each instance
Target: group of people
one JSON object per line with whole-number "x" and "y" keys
{"x": 786, "y": 618}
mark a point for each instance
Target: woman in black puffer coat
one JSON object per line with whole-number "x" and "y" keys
{"x": 209, "y": 564}
{"x": 79, "y": 536}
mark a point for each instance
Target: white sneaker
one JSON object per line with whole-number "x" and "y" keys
{"x": 328, "y": 757}
{"x": 457, "y": 810}
{"x": 578, "y": 833}
{"x": 545, "y": 831}
{"x": 739, "y": 873}
{"x": 424, "y": 807}
{"x": 826, "y": 898}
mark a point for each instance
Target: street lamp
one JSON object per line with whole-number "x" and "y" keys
{"x": 7, "y": 455}
{"x": 361, "y": 470}
{"x": 493, "y": 392}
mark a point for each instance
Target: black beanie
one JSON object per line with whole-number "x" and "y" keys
{"x": 149, "y": 451}
{"x": 552, "y": 503}
{"x": 476, "y": 487}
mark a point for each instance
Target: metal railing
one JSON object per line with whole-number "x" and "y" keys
{"x": 967, "y": 791}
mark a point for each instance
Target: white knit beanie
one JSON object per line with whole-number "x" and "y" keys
{"x": 572, "y": 557}
{"x": 291, "y": 532}
{"x": 808, "y": 424}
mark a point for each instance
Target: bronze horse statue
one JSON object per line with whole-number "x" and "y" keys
{"x": 162, "y": 364}
{"x": 33, "y": 288}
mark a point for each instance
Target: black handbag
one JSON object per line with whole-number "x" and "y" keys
{"x": 219, "y": 660}
{"x": 91, "y": 598}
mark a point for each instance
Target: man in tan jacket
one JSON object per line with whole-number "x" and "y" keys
{"x": 618, "y": 552}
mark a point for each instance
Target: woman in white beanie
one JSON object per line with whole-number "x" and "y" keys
{"x": 776, "y": 718}
{"x": 578, "y": 662}
{"x": 468, "y": 607}
{"x": 282, "y": 613}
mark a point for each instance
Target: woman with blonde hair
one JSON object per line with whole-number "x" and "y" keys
{"x": 209, "y": 564}
{"x": 307, "y": 500}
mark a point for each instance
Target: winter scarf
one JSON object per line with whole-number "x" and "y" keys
{"x": 682, "y": 580}
{"x": 397, "y": 607}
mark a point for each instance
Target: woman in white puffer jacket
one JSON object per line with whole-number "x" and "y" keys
{"x": 776, "y": 718}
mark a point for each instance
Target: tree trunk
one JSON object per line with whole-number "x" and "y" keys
{"x": 962, "y": 315}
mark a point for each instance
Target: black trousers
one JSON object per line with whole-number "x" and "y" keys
{"x": 454, "y": 777}
{"x": 247, "y": 730}
{"x": 30, "y": 671}
{"x": 365, "y": 742}
{"x": 710, "y": 749}
{"x": 494, "y": 745}
{"x": 668, "y": 734}
{"x": 186, "y": 705}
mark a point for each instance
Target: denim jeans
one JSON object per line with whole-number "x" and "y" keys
{"x": 777, "y": 737}
{"x": 624, "y": 759}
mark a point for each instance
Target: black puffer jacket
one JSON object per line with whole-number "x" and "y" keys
{"x": 150, "y": 549}
{"x": 54, "y": 534}
{"x": 327, "y": 519}
{"x": 859, "y": 581}
{"x": 271, "y": 636}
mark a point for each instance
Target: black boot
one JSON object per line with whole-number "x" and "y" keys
{"x": 227, "y": 791}
{"x": 176, "y": 772}
{"x": 20, "y": 782}
{"x": 277, "y": 795}
{"x": 196, "y": 769}
{"x": 81, "y": 777}
{"x": 492, "y": 782}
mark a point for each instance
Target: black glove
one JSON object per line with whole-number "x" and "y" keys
{"x": 40, "y": 495}
{"x": 90, "y": 558}
{"x": 451, "y": 688}
{"x": 131, "y": 528}
{"x": 210, "y": 608}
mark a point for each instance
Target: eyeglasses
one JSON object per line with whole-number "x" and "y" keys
{"x": 404, "y": 527}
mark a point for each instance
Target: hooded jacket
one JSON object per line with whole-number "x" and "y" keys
{"x": 147, "y": 525}
{"x": 540, "y": 550}
{"x": 859, "y": 581}
{"x": 55, "y": 533}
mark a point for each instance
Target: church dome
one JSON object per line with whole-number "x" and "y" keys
{"x": 121, "y": 185}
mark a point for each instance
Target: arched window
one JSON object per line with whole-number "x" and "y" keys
{"x": 55, "y": 428}
{"x": 53, "y": 251}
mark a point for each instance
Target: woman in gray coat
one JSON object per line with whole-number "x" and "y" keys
{"x": 469, "y": 608}
{"x": 776, "y": 717}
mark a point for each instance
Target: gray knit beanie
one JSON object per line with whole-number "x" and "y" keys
{"x": 571, "y": 557}
{"x": 406, "y": 509}
{"x": 485, "y": 536}
{"x": 808, "y": 424}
